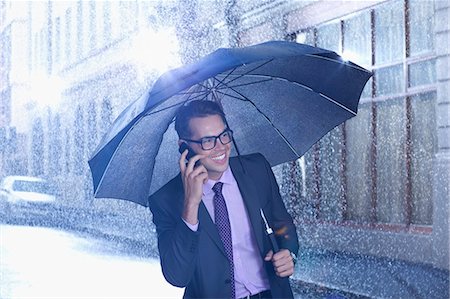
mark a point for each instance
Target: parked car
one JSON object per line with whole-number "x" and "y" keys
{"x": 24, "y": 195}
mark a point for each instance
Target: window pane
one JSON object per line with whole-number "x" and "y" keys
{"x": 329, "y": 37}
{"x": 357, "y": 40}
{"x": 421, "y": 14}
{"x": 389, "y": 80}
{"x": 310, "y": 200}
{"x": 68, "y": 34}
{"x": 423, "y": 148}
{"x": 389, "y": 33}
{"x": 305, "y": 37}
{"x": 331, "y": 181}
{"x": 92, "y": 25}
{"x": 367, "y": 91}
{"x": 422, "y": 73}
{"x": 106, "y": 22}
{"x": 358, "y": 144}
{"x": 291, "y": 189}
{"x": 390, "y": 161}
{"x": 127, "y": 20}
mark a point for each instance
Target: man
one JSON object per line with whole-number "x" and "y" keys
{"x": 212, "y": 255}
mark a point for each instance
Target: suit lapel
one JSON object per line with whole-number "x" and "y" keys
{"x": 209, "y": 227}
{"x": 204, "y": 218}
{"x": 250, "y": 196}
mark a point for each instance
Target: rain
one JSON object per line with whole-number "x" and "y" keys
{"x": 370, "y": 200}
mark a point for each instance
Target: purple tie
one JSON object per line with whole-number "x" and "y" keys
{"x": 224, "y": 228}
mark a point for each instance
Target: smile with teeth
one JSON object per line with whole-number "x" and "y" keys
{"x": 218, "y": 158}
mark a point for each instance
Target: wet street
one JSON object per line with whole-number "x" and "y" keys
{"x": 46, "y": 262}
{"x": 49, "y": 262}
{"x": 37, "y": 262}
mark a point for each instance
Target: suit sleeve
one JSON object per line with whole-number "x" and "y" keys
{"x": 177, "y": 243}
{"x": 282, "y": 222}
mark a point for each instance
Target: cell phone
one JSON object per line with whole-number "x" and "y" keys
{"x": 184, "y": 146}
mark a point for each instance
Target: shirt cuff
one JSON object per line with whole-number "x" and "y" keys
{"x": 193, "y": 227}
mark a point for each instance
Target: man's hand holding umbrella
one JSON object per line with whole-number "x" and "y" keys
{"x": 283, "y": 262}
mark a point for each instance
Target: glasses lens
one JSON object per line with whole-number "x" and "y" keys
{"x": 208, "y": 143}
{"x": 226, "y": 137}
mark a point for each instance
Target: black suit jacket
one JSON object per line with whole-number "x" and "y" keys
{"x": 197, "y": 260}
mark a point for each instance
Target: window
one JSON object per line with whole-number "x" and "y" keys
{"x": 127, "y": 21}
{"x": 389, "y": 26}
{"x": 329, "y": 36}
{"x": 57, "y": 49}
{"x": 376, "y": 168}
{"x": 92, "y": 25}
{"x": 80, "y": 29}
{"x": 421, "y": 24}
{"x": 423, "y": 147}
{"x": 55, "y": 146}
{"x": 107, "y": 22}
{"x": 68, "y": 35}
{"x": 390, "y": 160}
{"x": 78, "y": 140}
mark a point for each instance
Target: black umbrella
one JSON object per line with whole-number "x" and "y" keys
{"x": 279, "y": 97}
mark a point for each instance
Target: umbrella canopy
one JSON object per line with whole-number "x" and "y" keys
{"x": 279, "y": 97}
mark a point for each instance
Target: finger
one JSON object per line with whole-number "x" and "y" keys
{"x": 199, "y": 174}
{"x": 285, "y": 273}
{"x": 284, "y": 267}
{"x": 197, "y": 177}
{"x": 288, "y": 262}
{"x": 198, "y": 171}
{"x": 268, "y": 256}
{"x": 193, "y": 160}
{"x": 282, "y": 254}
{"x": 182, "y": 161}
{"x": 203, "y": 177}
{"x": 284, "y": 261}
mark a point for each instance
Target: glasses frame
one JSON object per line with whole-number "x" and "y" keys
{"x": 200, "y": 141}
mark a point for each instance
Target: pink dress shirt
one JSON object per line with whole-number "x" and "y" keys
{"x": 249, "y": 274}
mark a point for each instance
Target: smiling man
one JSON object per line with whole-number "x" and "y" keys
{"x": 211, "y": 237}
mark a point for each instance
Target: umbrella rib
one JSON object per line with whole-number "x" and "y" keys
{"x": 303, "y": 86}
{"x": 244, "y": 98}
{"x": 222, "y": 81}
{"x": 339, "y": 62}
{"x": 174, "y": 105}
{"x": 192, "y": 92}
{"x": 337, "y": 103}
{"x": 245, "y": 84}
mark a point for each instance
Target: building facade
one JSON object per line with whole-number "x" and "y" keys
{"x": 378, "y": 184}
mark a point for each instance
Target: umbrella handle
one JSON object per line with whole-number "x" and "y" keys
{"x": 269, "y": 232}
{"x": 274, "y": 243}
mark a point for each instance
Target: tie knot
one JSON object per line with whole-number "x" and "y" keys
{"x": 217, "y": 188}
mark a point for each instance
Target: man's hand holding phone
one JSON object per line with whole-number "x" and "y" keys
{"x": 193, "y": 179}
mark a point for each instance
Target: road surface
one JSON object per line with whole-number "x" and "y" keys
{"x": 38, "y": 262}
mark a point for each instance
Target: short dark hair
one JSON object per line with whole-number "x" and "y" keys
{"x": 197, "y": 108}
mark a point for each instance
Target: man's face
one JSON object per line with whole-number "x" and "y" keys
{"x": 216, "y": 161}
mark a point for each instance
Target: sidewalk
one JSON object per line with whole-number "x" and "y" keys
{"x": 318, "y": 273}
{"x": 359, "y": 276}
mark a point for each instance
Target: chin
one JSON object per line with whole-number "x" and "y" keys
{"x": 216, "y": 172}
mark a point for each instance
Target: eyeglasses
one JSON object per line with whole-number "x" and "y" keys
{"x": 209, "y": 142}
